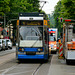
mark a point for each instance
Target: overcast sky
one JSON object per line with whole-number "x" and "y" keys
{"x": 49, "y": 6}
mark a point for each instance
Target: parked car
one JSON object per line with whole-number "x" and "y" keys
{"x": 2, "y": 44}
{"x": 6, "y": 43}
{"x": 9, "y": 43}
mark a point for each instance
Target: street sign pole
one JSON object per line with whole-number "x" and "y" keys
{"x": 4, "y": 23}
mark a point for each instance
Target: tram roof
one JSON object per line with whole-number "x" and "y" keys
{"x": 33, "y": 14}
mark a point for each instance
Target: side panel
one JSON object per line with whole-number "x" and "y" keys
{"x": 70, "y": 55}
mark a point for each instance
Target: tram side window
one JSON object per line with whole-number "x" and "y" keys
{"x": 74, "y": 29}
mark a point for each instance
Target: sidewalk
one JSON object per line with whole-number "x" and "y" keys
{"x": 57, "y": 66}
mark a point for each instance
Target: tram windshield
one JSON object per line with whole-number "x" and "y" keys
{"x": 31, "y": 36}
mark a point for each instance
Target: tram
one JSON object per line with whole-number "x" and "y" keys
{"x": 32, "y": 36}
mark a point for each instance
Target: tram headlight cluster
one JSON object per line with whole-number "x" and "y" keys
{"x": 21, "y": 49}
{"x": 40, "y": 49}
{"x": 54, "y": 45}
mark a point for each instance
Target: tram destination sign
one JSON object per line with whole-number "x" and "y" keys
{"x": 26, "y": 23}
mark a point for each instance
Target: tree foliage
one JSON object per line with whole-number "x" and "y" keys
{"x": 16, "y": 6}
{"x": 4, "y": 6}
{"x": 11, "y": 8}
{"x": 69, "y": 8}
{"x": 64, "y": 9}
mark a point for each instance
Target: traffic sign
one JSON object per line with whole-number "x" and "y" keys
{"x": 45, "y": 22}
{"x": 17, "y": 22}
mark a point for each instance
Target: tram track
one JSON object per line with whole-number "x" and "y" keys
{"x": 27, "y": 67}
{"x": 6, "y": 71}
{"x": 35, "y": 71}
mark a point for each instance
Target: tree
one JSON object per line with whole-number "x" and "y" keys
{"x": 57, "y": 17}
{"x": 4, "y": 6}
{"x": 69, "y": 8}
{"x": 64, "y": 9}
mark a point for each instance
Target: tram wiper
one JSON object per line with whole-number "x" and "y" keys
{"x": 34, "y": 43}
{"x": 37, "y": 39}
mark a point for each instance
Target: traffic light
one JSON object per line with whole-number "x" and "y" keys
{"x": 48, "y": 20}
{"x": 61, "y": 19}
{"x": 61, "y": 34}
{"x": 7, "y": 32}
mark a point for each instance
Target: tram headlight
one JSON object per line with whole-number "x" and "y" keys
{"x": 40, "y": 49}
{"x": 21, "y": 49}
{"x": 54, "y": 45}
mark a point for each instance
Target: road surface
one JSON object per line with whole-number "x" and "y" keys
{"x": 54, "y": 66}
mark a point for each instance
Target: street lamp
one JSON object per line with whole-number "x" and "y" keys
{"x": 9, "y": 25}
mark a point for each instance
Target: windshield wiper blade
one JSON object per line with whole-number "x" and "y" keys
{"x": 34, "y": 43}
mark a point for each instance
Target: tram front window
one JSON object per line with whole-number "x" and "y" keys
{"x": 31, "y": 35}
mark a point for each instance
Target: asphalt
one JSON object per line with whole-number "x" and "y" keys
{"x": 55, "y": 66}
{"x": 9, "y": 51}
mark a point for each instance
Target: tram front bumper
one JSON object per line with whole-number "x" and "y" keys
{"x": 42, "y": 56}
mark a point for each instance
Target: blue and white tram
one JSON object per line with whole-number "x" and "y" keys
{"x": 32, "y": 37}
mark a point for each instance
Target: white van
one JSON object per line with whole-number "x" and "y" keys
{"x": 6, "y": 44}
{"x": 9, "y": 43}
